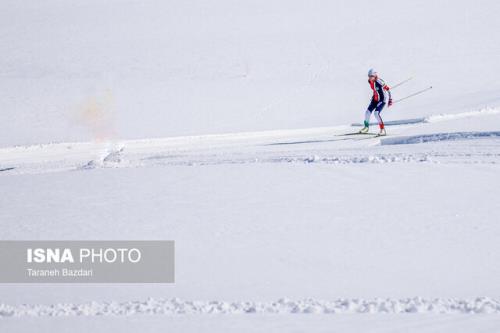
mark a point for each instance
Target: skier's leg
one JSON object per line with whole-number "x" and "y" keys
{"x": 366, "y": 122}
{"x": 379, "y": 108}
{"x": 367, "y": 118}
{"x": 379, "y": 119}
{"x": 368, "y": 113}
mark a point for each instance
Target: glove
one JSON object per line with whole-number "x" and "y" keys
{"x": 390, "y": 102}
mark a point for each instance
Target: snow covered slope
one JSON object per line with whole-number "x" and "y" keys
{"x": 305, "y": 214}
{"x": 74, "y": 71}
{"x": 332, "y": 145}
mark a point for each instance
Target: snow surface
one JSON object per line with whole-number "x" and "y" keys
{"x": 306, "y": 214}
{"x": 283, "y": 306}
{"x": 222, "y": 126}
{"x": 74, "y": 71}
{"x": 413, "y": 323}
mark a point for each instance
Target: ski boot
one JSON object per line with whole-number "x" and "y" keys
{"x": 382, "y": 132}
{"x": 364, "y": 130}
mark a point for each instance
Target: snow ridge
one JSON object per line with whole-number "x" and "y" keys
{"x": 488, "y": 111}
{"x": 434, "y": 118}
{"x": 175, "y": 306}
{"x": 401, "y": 140}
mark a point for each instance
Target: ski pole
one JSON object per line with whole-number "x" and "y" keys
{"x": 414, "y": 94}
{"x": 401, "y": 83}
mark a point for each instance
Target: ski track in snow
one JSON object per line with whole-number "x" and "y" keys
{"x": 215, "y": 156}
{"x": 175, "y": 306}
{"x": 317, "y": 145}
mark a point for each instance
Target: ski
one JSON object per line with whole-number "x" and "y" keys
{"x": 6, "y": 169}
{"x": 375, "y": 136}
{"x": 355, "y": 133}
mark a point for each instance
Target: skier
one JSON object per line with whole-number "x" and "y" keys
{"x": 380, "y": 89}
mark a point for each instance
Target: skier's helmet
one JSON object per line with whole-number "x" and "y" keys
{"x": 372, "y": 72}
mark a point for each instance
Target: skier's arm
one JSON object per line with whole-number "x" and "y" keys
{"x": 386, "y": 88}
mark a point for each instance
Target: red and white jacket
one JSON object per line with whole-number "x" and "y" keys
{"x": 380, "y": 90}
